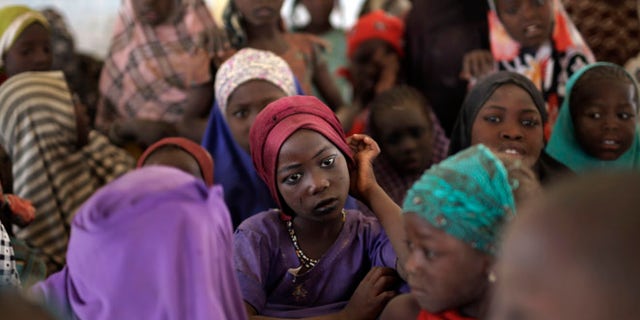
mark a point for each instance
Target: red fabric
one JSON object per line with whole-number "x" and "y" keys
{"x": 201, "y": 155}
{"x": 376, "y": 25}
{"x": 448, "y": 315}
{"x": 278, "y": 121}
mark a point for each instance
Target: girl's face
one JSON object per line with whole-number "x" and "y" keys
{"x": 30, "y": 52}
{"x": 605, "y": 118}
{"x": 260, "y": 12}
{"x": 444, "y": 273}
{"x": 366, "y": 67}
{"x": 312, "y": 176}
{"x": 509, "y": 123}
{"x": 173, "y": 156}
{"x": 245, "y": 103}
{"x": 529, "y": 22}
{"x": 154, "y": 12}
{"x": 406, "y": 137}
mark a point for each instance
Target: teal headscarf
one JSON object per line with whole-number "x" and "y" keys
{"x": 467, "y": 196}
{"x": 564, "y": 147}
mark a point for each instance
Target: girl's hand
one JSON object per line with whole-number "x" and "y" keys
{"x": 476, "y": 65}
{"x": 372, "y": 294}
{"x": 363, "y": 179}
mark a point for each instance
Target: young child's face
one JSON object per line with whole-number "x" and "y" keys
{"x": 605, "y": 118}
{"x": 509, "y": 123}
{"x": 260, "y": 13}
{"x": 529, "y": 22}
{"x": 154, "y": 12}
{"x": 405, "y": 134}
{"x": 312, "y": 176}
{"x": 444, "y": 273}
{"x": 245, "y": 103}
{"x": 366, "y": 66}
{"x": 172, "y": 156}
{"x": 30, "y": 52}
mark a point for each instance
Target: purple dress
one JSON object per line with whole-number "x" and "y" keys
{"x": 265, "y": 263}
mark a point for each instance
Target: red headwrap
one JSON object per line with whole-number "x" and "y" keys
{"x": 202, "y": 156}
{"x": 376, "y": 25}
{"x": 278, "y": 121}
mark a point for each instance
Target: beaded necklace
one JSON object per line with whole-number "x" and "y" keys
{"x": 304, "y": 259}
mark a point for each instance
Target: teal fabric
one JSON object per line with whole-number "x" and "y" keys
{"x": 564, "y": 147}
{"x": 467, "y": 196}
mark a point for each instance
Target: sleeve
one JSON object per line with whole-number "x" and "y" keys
{"x": 251, "y": 263}
{"x": 381, "y": 252}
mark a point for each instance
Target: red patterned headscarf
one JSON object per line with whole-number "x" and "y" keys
{"x": 202, "y": 156}
{"x": 281, "y": 119}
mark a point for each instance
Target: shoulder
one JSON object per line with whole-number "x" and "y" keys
{"x": 263, "y": 224}
{"x": 401, "y": 307}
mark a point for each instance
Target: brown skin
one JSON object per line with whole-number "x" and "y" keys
{"x": 244, "y": 104}
{"x": 154, "y": 12}
{"x": 196, "y": 113}
{"x": 175, "y": 157}
{"x": 529, "y": 22}
{"x": 509, "y": 121}
{"x": 30, "y": 52}
{"x": 82, "y": 123}
{"x": 320, "y": 11}
{"x": 374, "y": 68}
{"x": 605, "y": 118}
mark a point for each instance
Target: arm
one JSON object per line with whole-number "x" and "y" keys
{"x": 194, "y": 121}
{"x": 326, "y": 85}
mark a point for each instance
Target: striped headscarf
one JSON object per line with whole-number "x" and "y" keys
{"x": 251, "y": 64}
{"x": 467, "y": 196}
{"x": 13, "y": 20}
{"x": 39, "y": 132}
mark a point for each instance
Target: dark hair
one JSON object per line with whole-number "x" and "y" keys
{"x": 233, "y": 23}
{"x": 398, "y": 95}
{"x": 607, "y": 72}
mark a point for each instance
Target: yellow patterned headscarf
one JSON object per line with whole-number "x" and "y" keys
{"x": 13, "y": 21}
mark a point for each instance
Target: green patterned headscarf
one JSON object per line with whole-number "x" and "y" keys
{"x": 564, "y": 147}
{"x": 467, "y": 196}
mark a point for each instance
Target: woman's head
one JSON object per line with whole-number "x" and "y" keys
{"x": 246, "y": 83}
{"x": 299, "y": 150}
{"x": 528, "y": 22}
{"x": 400, "y": 121}
{"x": 182, "y": 154}
{"x": 454, "y": 215}
{"x": 506, "y": 113}
{"x": 154, "y": 12}
{"x": 25, "y": 43}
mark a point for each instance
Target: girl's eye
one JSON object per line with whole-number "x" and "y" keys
{"x": 530, "y": 123}
{"x": 292, "y": 179}
{"x": 625, "y": 115}
{"x": 493, "y": 119}
{"x": 240, "y": 114}
{"x": 430, "y": 254}
{"x": 594, "y": 115}
{"x": 328, "y": 162}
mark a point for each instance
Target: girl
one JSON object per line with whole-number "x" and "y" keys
{"x": 453, "y": 217}
{"x": 258, "y": 25}
{"x": 245, "y": 84}
{"x": 154, "y": 244}
{"x": 535, "y": 38}
{"x": 597, "y": 125}
{"x": 507, "y": 113}
{"x": 182, "y": 154}
{"x": 307, "y": 257}
{"x": 57, "y": 161}
{"x": 156, "y": 81}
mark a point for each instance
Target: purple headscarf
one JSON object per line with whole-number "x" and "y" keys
{"x": 154, "y": 244}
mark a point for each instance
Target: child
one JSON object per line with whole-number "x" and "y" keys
{"x": 306, "y": 258}
{"x": 182, "y": 154}
{"x": 156, "y": 81}
{"x": 597, "y": 125}
{"x": 57, "y": 161}
{"x": 506, "y": 112}
{"x": 572, "y": 254}
{"x": 154, "y": 244}
{"x": 402, "y": 122}
{"x": 245, "y": 84}
{"x": 453, "y": 218}
{"x": 258, "y": 25}
{"x": 536, "y": 39}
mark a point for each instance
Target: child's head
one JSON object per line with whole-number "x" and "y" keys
{"x": 573, "y": 253}
{"x": 312, "y": 11}
{"x": 242, "y": 14}
{"x": 505, "y": 112}
{"x": 299, "y": 150}
{"x": 182, "y": 154}
{"x": 453, "y": 217}
{"x": 528, "y": 22}
{"x": 246, "y": 83}
{"x": 25, "y": 43}
{"x": 154, "y": 12}
{"x": 604, "y": 103}
{"x": 400, "y": 121}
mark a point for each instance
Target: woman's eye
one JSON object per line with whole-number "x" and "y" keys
{"x": 292, "y": 179}
{"x": 328, "y": 162}
{"x": 493, "y": 119}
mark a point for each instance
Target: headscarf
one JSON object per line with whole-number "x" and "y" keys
{"x": 564, "y": 147}
{"x": 149, "y": 69}
{"x": 202, "y": 156}
{"x": 154, "y": 244}
{"x": 13, "y": 21}
{"x": 468, "y": 196}
{"x": 550, "y": 67}
{"x": 479, "y": 94}
{"x": 376, "y": 25}
{"x": 38, "y": 131}
{"x": 251, "y": 64}
{"x": 281, "y": 119}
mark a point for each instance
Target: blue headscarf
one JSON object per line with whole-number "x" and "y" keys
{"x": 468, "y": 196}
{"x": 564, "y": 147}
